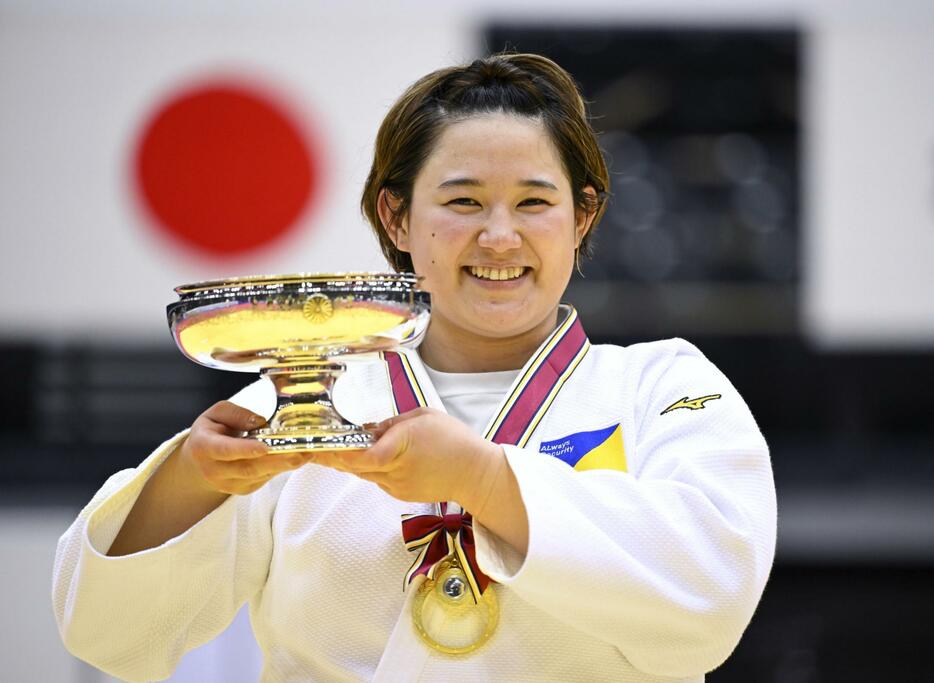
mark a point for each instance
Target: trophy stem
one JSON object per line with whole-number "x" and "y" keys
{"x": 305, "y": 417}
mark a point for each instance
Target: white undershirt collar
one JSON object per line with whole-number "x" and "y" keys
{"x": 472, "y": 397}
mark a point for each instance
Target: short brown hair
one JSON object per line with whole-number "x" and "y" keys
{"x": 523, "y": 84}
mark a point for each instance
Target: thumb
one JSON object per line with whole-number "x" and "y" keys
{"x": 234, "y": 417}
{"x": 391, "y": 443}
{"x": 396, "y": 420}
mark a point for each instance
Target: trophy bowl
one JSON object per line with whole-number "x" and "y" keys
{"x": 297, "y": 330}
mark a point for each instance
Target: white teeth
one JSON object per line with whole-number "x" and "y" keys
{"x": 486, "y": 273}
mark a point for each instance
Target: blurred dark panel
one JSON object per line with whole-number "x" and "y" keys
{"x": 74, "y": 414}
{"x": 17, "y": 366}
{"x": 700, "y": 128}
{"x": 838, "y": 624}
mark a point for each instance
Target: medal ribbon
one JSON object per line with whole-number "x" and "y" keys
{"x": 450, "y": 535}
{"x": 437, "y": 537}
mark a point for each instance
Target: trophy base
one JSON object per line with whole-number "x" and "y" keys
{"x": 305, "y": 417}
{"x": 299, "y": 440}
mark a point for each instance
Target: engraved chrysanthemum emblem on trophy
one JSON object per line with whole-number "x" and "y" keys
{"x": 296, "y": 330}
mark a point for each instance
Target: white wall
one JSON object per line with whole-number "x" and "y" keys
{"x": 870, "y": 191}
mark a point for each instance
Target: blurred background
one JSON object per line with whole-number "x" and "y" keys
{"x": 773, "y": 202}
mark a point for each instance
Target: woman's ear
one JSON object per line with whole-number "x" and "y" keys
{"x": 583, "y": 217}
{"x": 396, "y": 226}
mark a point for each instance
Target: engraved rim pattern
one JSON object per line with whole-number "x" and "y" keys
{"x": 262, "y": 281}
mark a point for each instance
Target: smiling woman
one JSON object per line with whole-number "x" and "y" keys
{"x": 564, "y": 522}
{"x": 488, "y": 181}
{"x": 493, "y": 228}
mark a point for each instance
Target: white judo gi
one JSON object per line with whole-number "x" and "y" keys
{"x": 652, "y": 527}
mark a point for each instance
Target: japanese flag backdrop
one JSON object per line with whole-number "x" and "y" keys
{"x": 142, "y": 152}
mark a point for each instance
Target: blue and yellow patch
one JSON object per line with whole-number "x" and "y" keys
{"x": 601, "y": 449}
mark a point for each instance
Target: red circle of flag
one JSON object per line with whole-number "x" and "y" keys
{"x": 224, "y": 169}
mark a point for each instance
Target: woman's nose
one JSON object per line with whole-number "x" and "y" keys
{"x": 500, "y": 233}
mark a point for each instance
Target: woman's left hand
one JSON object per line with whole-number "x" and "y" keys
{"x": 423, "y": 456}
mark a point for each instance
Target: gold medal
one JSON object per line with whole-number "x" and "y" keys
{"x": 445, "y": 615}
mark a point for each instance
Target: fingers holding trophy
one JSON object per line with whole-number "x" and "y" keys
{"x": 296, "y": 330}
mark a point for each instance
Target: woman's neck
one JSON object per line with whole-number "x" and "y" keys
{"x": 450, "y": 349}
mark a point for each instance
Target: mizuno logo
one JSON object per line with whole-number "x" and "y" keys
{"x": 692, "y": 403}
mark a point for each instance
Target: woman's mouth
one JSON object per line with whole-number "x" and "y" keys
{"x": 491, "y": 274}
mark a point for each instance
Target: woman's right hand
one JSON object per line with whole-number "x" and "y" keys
{"x": 219, "y": 459}
{"x": 212, "y": 462}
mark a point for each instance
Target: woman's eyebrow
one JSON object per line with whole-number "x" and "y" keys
{"x": 535, "y": 182}
{"x": 460, "y": 182}
{"x": 473, "y": 182}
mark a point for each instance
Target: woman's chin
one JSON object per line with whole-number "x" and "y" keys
{"x": 503, "y": 320}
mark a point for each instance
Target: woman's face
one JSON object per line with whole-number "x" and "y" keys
{"x": 492, "y": 226}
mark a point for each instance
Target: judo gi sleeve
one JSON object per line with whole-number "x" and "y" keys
{"x": 668, "y": 560}
{"x": 134, "y": 616}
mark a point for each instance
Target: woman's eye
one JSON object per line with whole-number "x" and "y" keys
{"x": 533, "y": 201}
{"x": 464, "y": 201}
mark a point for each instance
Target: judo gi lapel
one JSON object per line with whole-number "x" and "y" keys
{"x": 527, "y": 400}
{"x": 409, "y": 381}
{"x": 539, "y": 382}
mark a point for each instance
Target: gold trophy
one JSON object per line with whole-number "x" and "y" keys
{"x": 297, "y": 330}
